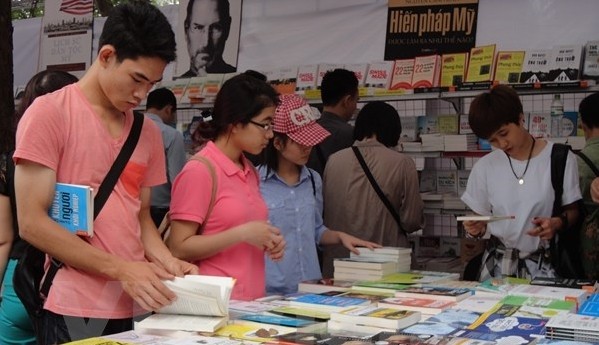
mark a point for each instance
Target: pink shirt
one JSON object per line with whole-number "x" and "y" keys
{"x": 62, "y": 132}
{"x": 238, "y": 201}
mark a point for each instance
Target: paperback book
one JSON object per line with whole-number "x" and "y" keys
{"x": 426, "y": 71}
{"x": 402, "y": 74}
{"x": 201, "y": 305}
{"x": 376, "y": 316}
{"x": 73, "y": 208}
{"x": 590, "y": 67}
{"x": 453, "y": 69}
{"x": 536, "y": 66}
{"x": 432, "y": 292}
{"x": 324, "y": 285}
{"x": 480, "y": 63}
{"x": 508, "y": 66}
{"x": 422, "y": 305}
{"x": 325, "y": 302}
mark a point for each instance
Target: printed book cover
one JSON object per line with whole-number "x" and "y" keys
{"x": 402, "y": 74}
{"x": 373, "y": 315}
{"x": 453, "y": 69}
{"x": 273, "y": 319}
{"x": 326, "y": 302}
{"x": 501, "y": 327}
{"x": 324, "y": 285}
{"x": 480, "y": 63}
{"x": 425, "y": 306}
{"x": 73, "y": 208}
{"x": 508, "y": 66}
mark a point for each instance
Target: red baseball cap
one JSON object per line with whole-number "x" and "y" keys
{"x": 295, "y": 117}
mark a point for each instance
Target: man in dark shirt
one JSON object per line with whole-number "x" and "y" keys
{"x": 339, "y": 93}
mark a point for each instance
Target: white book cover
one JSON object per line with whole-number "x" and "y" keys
{"x": 565, "y": 63}
{"x": 590, "y": 67}
{"x": 447, "y": 181}
{"x": 360, "y": 70}
{"x": 323, "y": 68}
{"x": 306, "y": 78}
{"x": 539, "y": 125}
{"x": 574, "y": 322}
{"x": 379, "y": 75}
{"x": 536, "y": 66}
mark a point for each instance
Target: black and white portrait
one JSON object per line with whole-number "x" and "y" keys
{"x": 207, "y": 37}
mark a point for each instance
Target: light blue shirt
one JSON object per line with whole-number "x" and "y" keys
{"x": 297, "y": 211}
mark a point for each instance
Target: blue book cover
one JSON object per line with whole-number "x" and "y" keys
{"x": 277, "y": 320}
{"x": 73, "y": 208}
{"x": 505, "y": 328}
{"x": 590, "y": 308}
{"x": 325, "y": 300}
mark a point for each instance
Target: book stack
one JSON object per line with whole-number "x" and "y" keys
{"x": 460, "y": 142}
{"x": 432, "y": 142}
{"x": 402, "y": 257}
{"x": 375, "y": 316}
{"x": 573, "y": 327}
{"x": 363, "y": 268}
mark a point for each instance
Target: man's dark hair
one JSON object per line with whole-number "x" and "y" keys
{"x": 138, "y": 29}
{"x": 493, "y": 109}
{"x": 160, "y": 98}
{"x": 222, "y": 6}
{"x": 380, "y": 119}
{"x": 337, "y": 84}
{"x": 255, "y": 74}
{"x": 589, "y": 110}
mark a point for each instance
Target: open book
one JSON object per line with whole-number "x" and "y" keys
{"x": 483, "y": 218}
{"x": 202, "y": 305}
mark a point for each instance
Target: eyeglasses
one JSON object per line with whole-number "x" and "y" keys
{"x": 265, "y": 126}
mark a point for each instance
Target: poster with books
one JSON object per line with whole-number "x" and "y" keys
{"x": 508, "y": 66}
{"x": 480, "y": 63}
{"x": 453, "y": 69}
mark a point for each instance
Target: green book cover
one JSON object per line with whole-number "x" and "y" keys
{"x": 540, "y": 302}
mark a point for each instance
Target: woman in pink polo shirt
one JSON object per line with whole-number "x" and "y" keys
{"x": 236, "y": 234}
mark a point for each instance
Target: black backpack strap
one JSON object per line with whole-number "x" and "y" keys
{"x": 559, "y": 155}
{"x": 105, "y": 188}
{"x": 590, "y": 163}
{"x": 377, "y": 188}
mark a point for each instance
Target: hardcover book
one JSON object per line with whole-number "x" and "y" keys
{"x": 480, "y": 63}
{"x": 73, "y": 208}
{"x": 453, "y": 69}
{"x": 508, "y": 66}
{"x": 377, "y": 316}
{"x": 402, "y": 74}
{"x": 201, "y": 305}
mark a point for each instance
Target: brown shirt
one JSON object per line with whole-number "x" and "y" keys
{"x": 351, "y": 205}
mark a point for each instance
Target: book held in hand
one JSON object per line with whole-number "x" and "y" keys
{"x": 201, "y": 305}
{"x": 73, "y": 208}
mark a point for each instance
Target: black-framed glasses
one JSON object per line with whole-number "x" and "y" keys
{"x": 265, "y": 126}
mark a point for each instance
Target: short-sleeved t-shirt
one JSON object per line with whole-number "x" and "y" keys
{"x": 237, "y": 201}
{"x": 61, "y": 131}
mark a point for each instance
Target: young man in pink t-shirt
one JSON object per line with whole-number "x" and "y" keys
{"x": 74, "y": 136}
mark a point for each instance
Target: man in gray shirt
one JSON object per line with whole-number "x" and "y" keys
{"x": 161, "y": 107}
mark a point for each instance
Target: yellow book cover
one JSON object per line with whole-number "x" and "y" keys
{"x": 480, "y": 63}
{"x": 508, "y": 66}
{"x": 453, "y": 69}
{"x": 448, "y": 124}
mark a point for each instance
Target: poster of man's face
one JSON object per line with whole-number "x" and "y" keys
{"x": 207, "y": 37}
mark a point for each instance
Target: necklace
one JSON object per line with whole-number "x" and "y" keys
{"x": 521, "y": 177}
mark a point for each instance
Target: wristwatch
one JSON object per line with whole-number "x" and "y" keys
{"x": 564, "y": 217}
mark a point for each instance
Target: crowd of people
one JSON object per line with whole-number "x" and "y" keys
{"x": 265, "y": 223}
